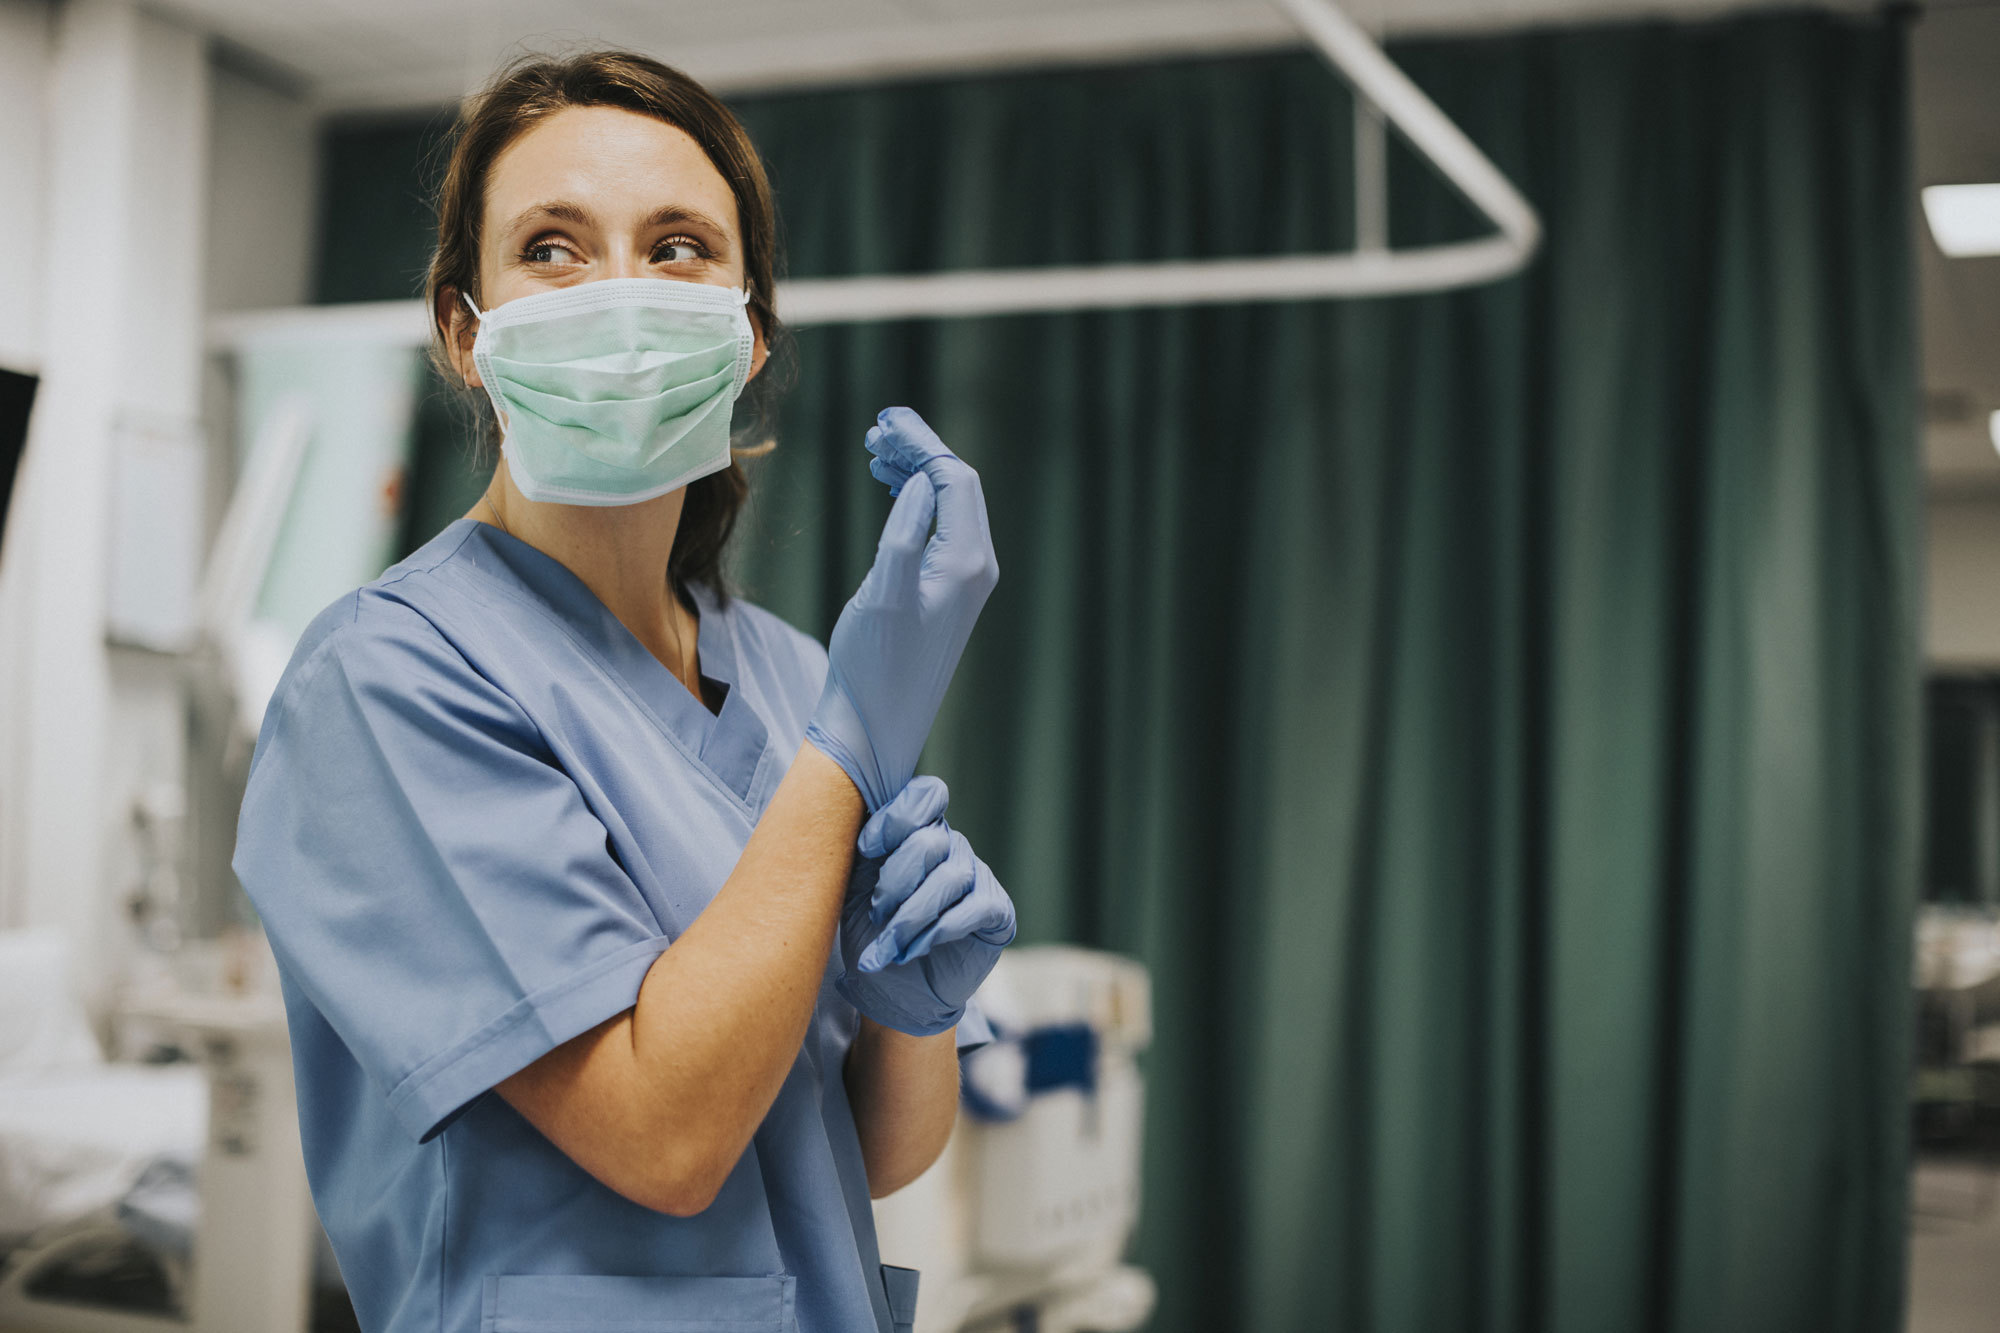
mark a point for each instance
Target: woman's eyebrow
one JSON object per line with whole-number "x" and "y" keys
{"x": 562, "y": 210}
{"x": 555, "y": 210}
{"x": 679, "y": 214}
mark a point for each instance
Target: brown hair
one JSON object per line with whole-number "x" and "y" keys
{"x": 518, "y": 98}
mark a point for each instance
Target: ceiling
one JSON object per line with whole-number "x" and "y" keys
{"x": 1955, "y": 70}
{"x": 352, "y": 55}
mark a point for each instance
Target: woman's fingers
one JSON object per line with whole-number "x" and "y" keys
{"x": 904, "y": 537}
{"x": 905, "y": 441}
{"x": 888, "y": 474}
{"x": 984, "y": 912}
{"x": 963, "y": 547}
{"x": 907, "y": 868}
{"x": 923, "y": 800}
{"x": 904, "y": 444}
{"x": 950, "y": 881}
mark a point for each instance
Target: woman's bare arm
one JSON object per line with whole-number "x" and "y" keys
{"x": 660, "y": 1101}
{"x": 904, "y": 1091}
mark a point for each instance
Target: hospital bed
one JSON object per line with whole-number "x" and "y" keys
{"x": 179, "y": 1189}
{"x": 147, "y": 1198}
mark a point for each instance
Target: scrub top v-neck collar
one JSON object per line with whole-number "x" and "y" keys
{"x": 731, "y": 743}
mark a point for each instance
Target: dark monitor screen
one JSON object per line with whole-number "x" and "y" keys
{"x": 17, "y": 395}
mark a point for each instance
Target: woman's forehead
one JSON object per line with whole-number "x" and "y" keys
{"x": 621, "y": 166}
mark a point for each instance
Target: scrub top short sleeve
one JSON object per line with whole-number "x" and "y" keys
{"x": 450, "y": 904}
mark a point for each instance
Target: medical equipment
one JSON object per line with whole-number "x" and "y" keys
{"x": 1028, "y": 1212}
{"x": 1956, "y": 971}
{"x": 17, "y": 396}
{"x": 153, "y": 903}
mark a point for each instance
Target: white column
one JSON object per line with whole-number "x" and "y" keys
{"x": 24, "y": 62}
{"x": 125, "y": 172}
{"x": 24, "y": 68}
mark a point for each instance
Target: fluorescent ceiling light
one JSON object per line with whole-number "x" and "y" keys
{"x": 1965, "y": 219}
{"x": 1993, "y": 428}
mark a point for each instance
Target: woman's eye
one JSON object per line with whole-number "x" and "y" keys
{"x": 547, "y": 252}
{"x": 679, "y": 250}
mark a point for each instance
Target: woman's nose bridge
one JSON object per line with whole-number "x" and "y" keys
{"x": 623, "y": 259}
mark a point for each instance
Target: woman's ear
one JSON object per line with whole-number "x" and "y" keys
{"x": 455, "y": 321}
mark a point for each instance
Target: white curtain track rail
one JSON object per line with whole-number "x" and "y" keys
{"x": 1384, "y": 96}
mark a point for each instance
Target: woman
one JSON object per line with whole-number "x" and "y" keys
{"x": 598, "y": 1020}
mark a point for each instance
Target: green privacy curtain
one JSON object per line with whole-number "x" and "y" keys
{"x": 1491, "y": 716}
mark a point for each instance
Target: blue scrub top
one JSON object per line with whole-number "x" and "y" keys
{"x": 478, "y": 809}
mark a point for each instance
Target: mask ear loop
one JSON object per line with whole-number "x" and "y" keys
{"x": 480, "y": 316}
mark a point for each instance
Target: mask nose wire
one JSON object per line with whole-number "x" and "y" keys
{"x": 742, "y": 298}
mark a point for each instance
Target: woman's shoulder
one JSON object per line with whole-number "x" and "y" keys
{"x": 375, "y": 622}
{"x": 370, "y": 666}
{"x": 400, "y": 611}
{"x": 376, "y": 637}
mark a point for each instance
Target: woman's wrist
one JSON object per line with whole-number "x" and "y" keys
{"x": 904, "y": 1094}
{"x": 873, "y": 1035}
{"x": 813, "y": 765}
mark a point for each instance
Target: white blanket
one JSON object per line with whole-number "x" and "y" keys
{"x": 75, "y": 1132}
{"x": 73, "y": 1141}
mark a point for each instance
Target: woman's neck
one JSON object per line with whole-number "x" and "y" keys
{"x": 619, "y": 551}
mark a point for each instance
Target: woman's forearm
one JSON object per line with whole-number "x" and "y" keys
{"x": 723, "y": 1012}
{"x": 660, "y": 1102}
{"x": 904, "y": 1092}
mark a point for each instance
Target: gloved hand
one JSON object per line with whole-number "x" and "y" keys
{"x": 924, "y": 918}
{"x": 899, "y": 639}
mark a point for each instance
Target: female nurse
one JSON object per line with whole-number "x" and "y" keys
{"x": 623, "y": 955}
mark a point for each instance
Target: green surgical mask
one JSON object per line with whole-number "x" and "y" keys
{"x": 614, "y": 392}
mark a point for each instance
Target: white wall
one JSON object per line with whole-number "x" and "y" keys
{"x": 1962, "y": 596}
{"x": 263, "y": 192}
{"x": 118, "y": 259}
{"x": 24, "y": 61}
{"x": 263, "y": 218}
{"x": 150, "y": 181}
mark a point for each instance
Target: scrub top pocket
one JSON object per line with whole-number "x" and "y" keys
{"x": 590, "y": 1303}
{"x": 900, "y": 1286}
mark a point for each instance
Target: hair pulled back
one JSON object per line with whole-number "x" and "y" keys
{"x": 519, "y": 97}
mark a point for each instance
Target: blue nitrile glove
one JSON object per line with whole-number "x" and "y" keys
{"x": 900, "y": 637}
{"x": 924, "y": 917}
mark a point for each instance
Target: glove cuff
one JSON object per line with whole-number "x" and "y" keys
{"x": 834, "y": 718}
{"x": 871, "y": 1002}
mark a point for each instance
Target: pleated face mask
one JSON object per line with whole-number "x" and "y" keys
{"x": 616, "y": 391}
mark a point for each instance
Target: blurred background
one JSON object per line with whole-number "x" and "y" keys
{"x": 1520, "y": 764}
